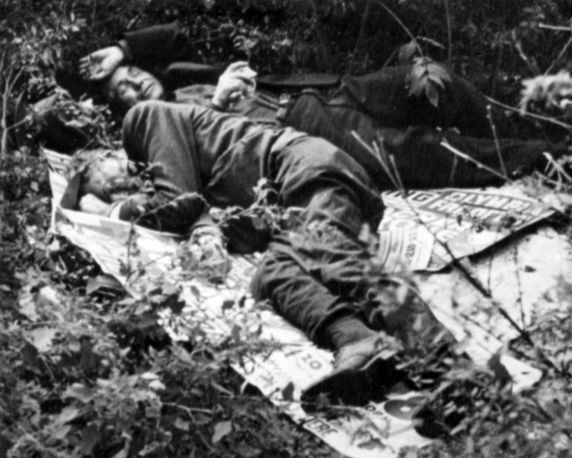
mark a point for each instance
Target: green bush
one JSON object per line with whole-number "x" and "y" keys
{"x": 93, "y": 375}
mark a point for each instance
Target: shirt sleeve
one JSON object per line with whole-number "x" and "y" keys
{"x": 161, "y": 43}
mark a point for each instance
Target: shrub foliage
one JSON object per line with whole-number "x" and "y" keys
{"x": 87, "y": 372}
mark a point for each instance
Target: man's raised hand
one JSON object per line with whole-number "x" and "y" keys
{"x": 101, "y": 63}
{"x": 237, "y": 81}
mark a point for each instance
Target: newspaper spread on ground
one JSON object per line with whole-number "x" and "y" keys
{"x": 528, "y": 278}
{"x": 138, "y": 257}
{"x": 414, "y": 228}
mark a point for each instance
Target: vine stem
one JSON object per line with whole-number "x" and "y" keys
{"x": 559, "y": 56}
{"x": 326, "y": 54}
{"x": 445, "y": 144}
{"x": 362, "y": 29}
{"x": 529, "y": 114}
{"x": 449, "y": 33}
{"x": 400, "y": 22}
{"x": 558, "y": 28}
{"x": 496, "y": 139}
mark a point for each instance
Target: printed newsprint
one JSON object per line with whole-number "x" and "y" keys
{"x": 416, "y": 228}
{"x": 138, "y": 258}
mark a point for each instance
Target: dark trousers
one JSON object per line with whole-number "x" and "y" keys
{"x": 385, "y": 96}
{"x": 378, "y": 107}
{"x": 313, "y": 271}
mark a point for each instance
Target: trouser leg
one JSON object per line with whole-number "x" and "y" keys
{"x": 318, "y": 276}
{"x": 300, "y": 297}
{"x": 424, "y": 163}
{"x": 421, "y": 160}
{"x": 385, "y": 96}
{"x": 313, "y": 274}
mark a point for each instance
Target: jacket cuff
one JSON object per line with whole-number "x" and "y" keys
{"x": 216, "y": 107}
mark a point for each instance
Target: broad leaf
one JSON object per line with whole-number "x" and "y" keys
{"x": 42, "y": 338}
{"x": 80, "y": 392}
{"x": 221, "y": 429}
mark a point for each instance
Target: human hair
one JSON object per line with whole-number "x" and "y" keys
{"x": 109, "y": 96}
{"x": 85, "y": 163}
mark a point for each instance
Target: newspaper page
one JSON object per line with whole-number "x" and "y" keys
{"x": 415, "y": 228}
{"x": 384, "y": 428}
{"x": 525, "y": 278}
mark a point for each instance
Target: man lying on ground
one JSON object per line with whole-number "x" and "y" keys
{"x": 314, "y": 272}
{"x": 378, "y": 107}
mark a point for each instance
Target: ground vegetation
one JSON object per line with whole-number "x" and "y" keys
{"x": 86, "y": 371}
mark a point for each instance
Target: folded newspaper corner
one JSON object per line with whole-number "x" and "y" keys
{"x": 408, "y": 237}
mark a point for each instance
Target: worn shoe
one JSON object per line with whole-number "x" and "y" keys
{"x": 363, "y": 372}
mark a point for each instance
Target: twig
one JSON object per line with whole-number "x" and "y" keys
{"x": 496, "y": 139}
{"x": 529, "y": 114}
{"x": 3, "y": 125}
{"x": 557, "y": 168}
{"x": 93, "y": 10}
{"x": 362, "y": 29}
{"x": 445, "y": 144}
{"x": 484, "y": 413}
{"x": 518, "y": 45}
{"x": 398, "y": 176}
{"x": 400, "y": 22}
{"x": 189, "y": 410}
{"x": 205, "y": 442}
{"x": 326, "y": 54}
{"x": 449, "y": 33}
{"x": 559, "y": 56}
{"x": 4, "y": 114}
{"x": 473, "y": 281}
{"x": 130, "y": 240}
{"x": 382, "y": 154}
{"x": 378, "y": 155}
{"x": 490, "y": 272}
{"x": 16, "y": 78}
{"x": 558, "y": 28}
{"x": 519, "y": 284}
{"x": 497, "y": 42}
{"x": 390, "y": 58}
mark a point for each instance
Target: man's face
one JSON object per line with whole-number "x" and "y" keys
{"x": 108, "y": 174}
{"x": 130, "y": 85}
